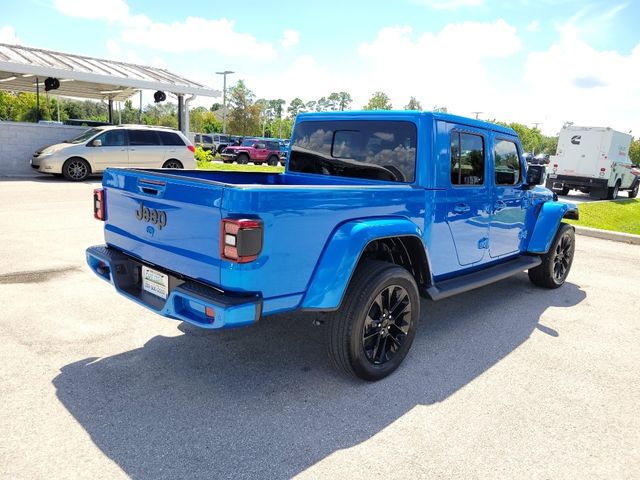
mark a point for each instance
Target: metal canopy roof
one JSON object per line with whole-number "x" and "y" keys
{"x": 87, "y": 77}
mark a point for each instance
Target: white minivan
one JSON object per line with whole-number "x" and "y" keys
{"x": 116, "y": 146}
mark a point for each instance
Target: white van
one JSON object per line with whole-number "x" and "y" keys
{"x": 116, "y": 146}
{"x": 594, "y": 160}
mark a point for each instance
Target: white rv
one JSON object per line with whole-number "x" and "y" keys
{"x": 594, "y": 160}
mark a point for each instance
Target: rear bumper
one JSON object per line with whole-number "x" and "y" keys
{"x": 187, "y": 300}
{"x": 560, "y": 181}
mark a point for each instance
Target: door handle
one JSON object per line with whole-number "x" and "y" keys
{"x": 461, "y": 208}
{"x": 499, "y": 205}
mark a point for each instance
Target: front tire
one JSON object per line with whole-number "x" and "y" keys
{"x": 76, "y": 169}
{"x": 633, "y": 193}
{"x": 243, "y": 159}
{"x": 556, "y": 263}
{"x": 372, "y": 332}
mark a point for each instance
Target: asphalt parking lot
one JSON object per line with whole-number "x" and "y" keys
{"x": 509, "y": 381}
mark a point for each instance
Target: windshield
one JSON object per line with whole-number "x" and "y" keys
{"x": 85, "y": 136}
{"x": 247, "y": 143}
{"x": 374, "y": 150}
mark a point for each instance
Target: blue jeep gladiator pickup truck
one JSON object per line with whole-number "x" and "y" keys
{"x": 374, "y": 210}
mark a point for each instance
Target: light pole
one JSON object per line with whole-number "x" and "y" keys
{"x": 224, "y": 98}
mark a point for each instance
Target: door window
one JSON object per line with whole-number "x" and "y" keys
{"x": 143, "y": 138}
{"x": 467, "y": 159}
{"x": 507, "y": 163}
{"x": 113, "y": 138}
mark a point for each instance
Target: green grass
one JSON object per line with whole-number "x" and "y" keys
{"x": 619, "y": 216}
{"x": 234, "y": 167}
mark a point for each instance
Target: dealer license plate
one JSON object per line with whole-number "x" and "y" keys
{"x": 155, "y": 282}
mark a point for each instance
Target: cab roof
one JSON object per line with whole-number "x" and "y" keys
{"x": 404, "y": 115}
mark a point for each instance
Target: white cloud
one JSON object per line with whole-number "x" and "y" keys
{"x": 572, "y": 81}
{"x": 8, "y": 35}
{"x": 110, "y": 10}
{"x": 194, "y": 34}
{"x": 450, "y": 4}
{"x": 290, "y": 38}
{"x": 534, "y": 26}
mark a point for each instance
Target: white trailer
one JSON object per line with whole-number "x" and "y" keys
{"x": 594, "y": 160}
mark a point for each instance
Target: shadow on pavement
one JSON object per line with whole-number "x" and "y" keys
{"x": 264, "y": 402}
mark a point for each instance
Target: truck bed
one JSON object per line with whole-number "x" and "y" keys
{"x": 299, "y": 214}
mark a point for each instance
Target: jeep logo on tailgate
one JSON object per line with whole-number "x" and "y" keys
{"x": 146, "y": 214}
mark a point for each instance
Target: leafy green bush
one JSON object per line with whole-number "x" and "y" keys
{"x": 203, "y": 156}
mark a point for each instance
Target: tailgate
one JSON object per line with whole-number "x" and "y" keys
{"x": 164, "y": 220}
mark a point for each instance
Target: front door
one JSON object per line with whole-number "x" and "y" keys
{"x": 468, "y": 199}
{"x": 507, "y": 231}
{"x": 111, "y": 153}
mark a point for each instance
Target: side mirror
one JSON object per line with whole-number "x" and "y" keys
{"x": 535, "y": 175}
{"x": 96, "y": 143}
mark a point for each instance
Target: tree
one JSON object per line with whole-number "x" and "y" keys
{"x": 129, "y": 113}
{"x": 244, "y": 114}
{"x": 310, "y": 106}
{"x": 216, "y": 106}
{"x": 634, "y": 152}
{"x": 322, "y": 105}
{"x": 294, "y": 107}
{"x": 379, "y": 101}
{"x": 204, "y": 121}
{"x": 413, "y": 104}
{"x": 344, "y": 100}
{"x": 333, "y": 101}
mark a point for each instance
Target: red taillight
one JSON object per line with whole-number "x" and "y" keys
{"x": 555, "y": 165}
{"x": 98, "y": 204}
{"x": 191, "y": 148}
{"x": 603, "y": 169}
{"x": 240, "y": 240}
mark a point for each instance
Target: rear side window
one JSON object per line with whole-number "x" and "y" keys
{"x": 368, "y": 149}
{"x": 507, "y": 163}
{"x": 172, "y": 138}
{"x": 273, "y": 145}
{"x": 467, "y": 159}
{"x": 143, "y": 137}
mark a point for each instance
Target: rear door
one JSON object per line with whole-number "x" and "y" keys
{"x": 506, "y": 230}
{"x": 468, "y": 199}
{"x": 260, "y": 152}
{"x": 145, "y": 149}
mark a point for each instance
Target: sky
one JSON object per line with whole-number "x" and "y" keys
{"x": 542, "y": 62}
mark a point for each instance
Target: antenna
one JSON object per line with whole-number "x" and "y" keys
{"x": 535, "y": 124}
{"x": 477, "y": 113}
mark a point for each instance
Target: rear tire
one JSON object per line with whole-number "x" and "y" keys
{"x": 556, "y": 263}
{"x": 273, "y": 160}
{"x": 565, "y": 191}
{"x": 76, "y": 169}
{"x": 633, "y": 193}
{"x": 173, "y": 163}
{"x": 372, "y": 332}
{"x": 612, "y": 192}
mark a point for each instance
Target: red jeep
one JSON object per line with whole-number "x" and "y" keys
{"x": 253, "y": 150}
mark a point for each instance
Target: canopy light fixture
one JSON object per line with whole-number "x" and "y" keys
{"x": 111, "y": 91}
{"x": 27, "y": 75}
{"x": 51, "y": 84}
{"x": 159, "y": 96}
{"x": 8, "y": 79}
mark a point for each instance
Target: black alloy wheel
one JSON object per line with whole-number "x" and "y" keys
{"x": 387, "y": 324}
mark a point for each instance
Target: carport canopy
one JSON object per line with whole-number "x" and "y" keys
{"x": 24, "y": 69}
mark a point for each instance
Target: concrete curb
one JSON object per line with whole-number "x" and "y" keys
{"x": 608, "y": 235}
